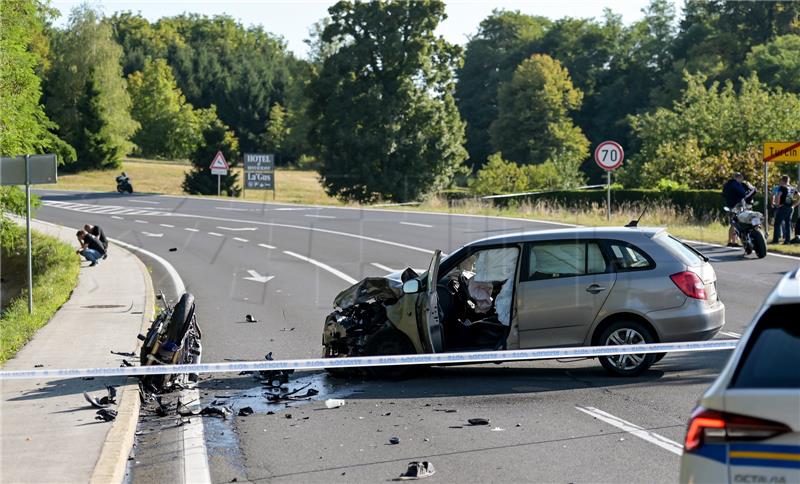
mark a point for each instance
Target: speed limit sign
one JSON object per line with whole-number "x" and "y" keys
{"x": 609, "y": 155}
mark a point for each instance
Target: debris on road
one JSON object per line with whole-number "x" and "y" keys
{"x": 173, "y": 249}
{"x": 110, "y": 399}
{"x": 417, "y": 470}
{"x": 250, "y": 319}
{"x": 245, "y": 411}
{"x": 221, "y": 412}
{"x": 445, "y": 410}
{"x": 288, "y": 329}
{"x": 129, "y": 354}
{"x": 126, "y": 363}
{"x": 334, "y": 403}
{"x": 94, "y": 401}
{"x": 38, "y": 366}
{"x": 478, "y": 421}
{"x": 394, "y": 440}
{"x": 106, "y": 414}
{"x": 498, "y": 429}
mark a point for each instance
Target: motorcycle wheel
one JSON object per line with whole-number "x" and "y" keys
{"x": 181, "y": 318}
{"x": 759, "y": 244}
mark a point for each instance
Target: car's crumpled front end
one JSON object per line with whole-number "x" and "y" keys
{"x": 361, "y": 313}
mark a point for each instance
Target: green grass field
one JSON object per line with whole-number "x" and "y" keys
{"x": 303, "y": 187}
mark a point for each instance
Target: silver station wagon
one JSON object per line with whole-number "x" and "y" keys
{"x": 567, "y": 287}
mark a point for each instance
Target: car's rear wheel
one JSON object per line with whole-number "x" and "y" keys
{"x": 627, "y": 333}
{"x": 388, "y": 342}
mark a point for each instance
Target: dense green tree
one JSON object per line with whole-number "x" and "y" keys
{"x": 533, "y": 124}
{"x": 216, "y": 136}
{"x": 87, "y": 63}
{"x": 490, "y": 59}
{"x": 778, "y": 62}
{"x": 709, "y": 133}
{"x": 277, "y": 129}
{"x": 385, "y": 124}
{"x": 168, "y": 125}
{"x": 24, "y": 126}
{"x": 501, "y": 176}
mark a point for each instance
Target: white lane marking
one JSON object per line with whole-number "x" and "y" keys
{"x": 321, "y": 265}
{"x": 239, "y": 239}
{"x": 233, "y": 209}
{"x": 150, "y": 234}
{"x": 730, "y": 334}
{"x": 319, "y": 216}
{"x": 311, "y": 229}
{"x": 255, "y": 276}
{"x": 140, "y": 221}
{"x": 238, "y": 229}
{"x": 266, "y": 246}
{"x": 145, "y": 201}
{"x": 634, "y": 429}
{"x": 190, "y": 229}
{"x": 382, "y": 267}
{"x": 417, "y": 225}
{"x": 287, "y": 209}
{"x": 167, "y": 225}
{"x": 118, "y": 218}
{"x": 215, "y": 234}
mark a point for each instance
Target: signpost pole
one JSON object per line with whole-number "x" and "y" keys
{"x": 219, "y": 183}
{"x": 28, "y": 230}
{"x": 608, "y": 197}
{"x": 766, "y": 199}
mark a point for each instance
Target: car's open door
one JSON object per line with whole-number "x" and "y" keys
{"x": 428, "y": 311}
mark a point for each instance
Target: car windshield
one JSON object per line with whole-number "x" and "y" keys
{"x": 772, "y": 355}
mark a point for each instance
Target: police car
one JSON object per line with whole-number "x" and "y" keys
{"x": 746, "y": 428}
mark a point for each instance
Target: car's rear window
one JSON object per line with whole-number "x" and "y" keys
{"x": 771, "y": 358}
{"x": 690, "y": 256}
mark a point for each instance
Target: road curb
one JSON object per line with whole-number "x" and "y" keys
{"x": 112, "y": 463}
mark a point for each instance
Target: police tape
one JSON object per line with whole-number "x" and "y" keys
{"x": 373, "y": 361}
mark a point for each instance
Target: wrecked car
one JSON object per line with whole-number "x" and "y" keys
{"x": 567, "y": 287}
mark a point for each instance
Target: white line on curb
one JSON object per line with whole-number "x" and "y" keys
{"x": 417, "y": 225}
{"x": 634, "y": 429}
{"x": 324, "y": 266}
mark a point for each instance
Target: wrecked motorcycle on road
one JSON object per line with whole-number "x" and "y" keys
{"x": 173, "y": 339}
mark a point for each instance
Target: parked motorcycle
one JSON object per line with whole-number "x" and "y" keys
{"x": 747, "y": 224}
{"x": 173, "y": 338}
{"x": 124, "y": 184}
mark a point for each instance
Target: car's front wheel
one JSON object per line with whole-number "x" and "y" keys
{"x": 627, "y": 333}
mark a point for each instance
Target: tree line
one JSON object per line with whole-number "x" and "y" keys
{"x": 385, "y": 109}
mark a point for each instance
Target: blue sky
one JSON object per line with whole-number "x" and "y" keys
{"x": 291, "y": 19}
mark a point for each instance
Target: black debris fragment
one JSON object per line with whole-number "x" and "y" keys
{"x": 106, "y": 414}
{"x": 103, "y": 402}
{"x": 161, "y": 409}
{"x": 245, "y": 411}
{"x": 288, "y": 415}
{"x": 38, "y": 366}
{"x": 394, "y": 440}
{"x": 112, "y": 394}
{"x": 417, "y": 470}
{"x": 126, "y": 363}
{"x": 478, "y": 421}
{"x": 173, "y": 249}
{"x": 94, "y": 401}
{"x": 88, "y": 378}
{"x": 445, "y": 410}
{"x": 288, "y": 329}
{"x": 129, "y": 354}
{"x": 220, "y": 412}
{"x": 250, "y": 319}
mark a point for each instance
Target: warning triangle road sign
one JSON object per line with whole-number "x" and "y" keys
{"x": 219, "y": 163}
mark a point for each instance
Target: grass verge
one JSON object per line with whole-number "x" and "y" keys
{"x": 55, "y": 274}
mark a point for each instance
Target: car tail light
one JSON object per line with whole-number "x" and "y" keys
{"x": 709, "y": 426}
{"x": 690, "y": 284}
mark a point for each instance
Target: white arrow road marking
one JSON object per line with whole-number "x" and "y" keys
{"x": 239, "y": 239}
{"x": 215, "y": 234}
{"x": 321, "y": 265}
{"x": 255, "y": 276}
{"x": 237, "y": 229}
{"x": 167, "y": 225}
{"x": 417, "y": 225}
{"x": 319, "y": 216}
{"x": 634, "y": 429}
{"x": 266, "y": 246}
{"x": 382, "y": 267}
{"x": 149, "y": 234}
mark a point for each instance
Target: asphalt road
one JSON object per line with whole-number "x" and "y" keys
{"x": 550, "y": 421}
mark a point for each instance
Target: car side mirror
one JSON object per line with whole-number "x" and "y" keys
{"x": 411, "y": 286}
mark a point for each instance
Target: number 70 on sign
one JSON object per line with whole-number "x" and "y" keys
{"x": 609, "y": 155}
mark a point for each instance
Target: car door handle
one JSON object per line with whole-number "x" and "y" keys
{"x": 595, "y": 288}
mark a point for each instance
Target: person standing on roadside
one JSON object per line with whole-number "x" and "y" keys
{"x": 91, "y": 248}
{"x": 99, "y": 234}
{"x": 734, "y": 191}
{"x": 782, "y": 201}
{"x": 795, "y": 205}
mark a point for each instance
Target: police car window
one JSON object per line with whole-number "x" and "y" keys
{"x": 772, "y": 355}
{"x": 626, "y": 257}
